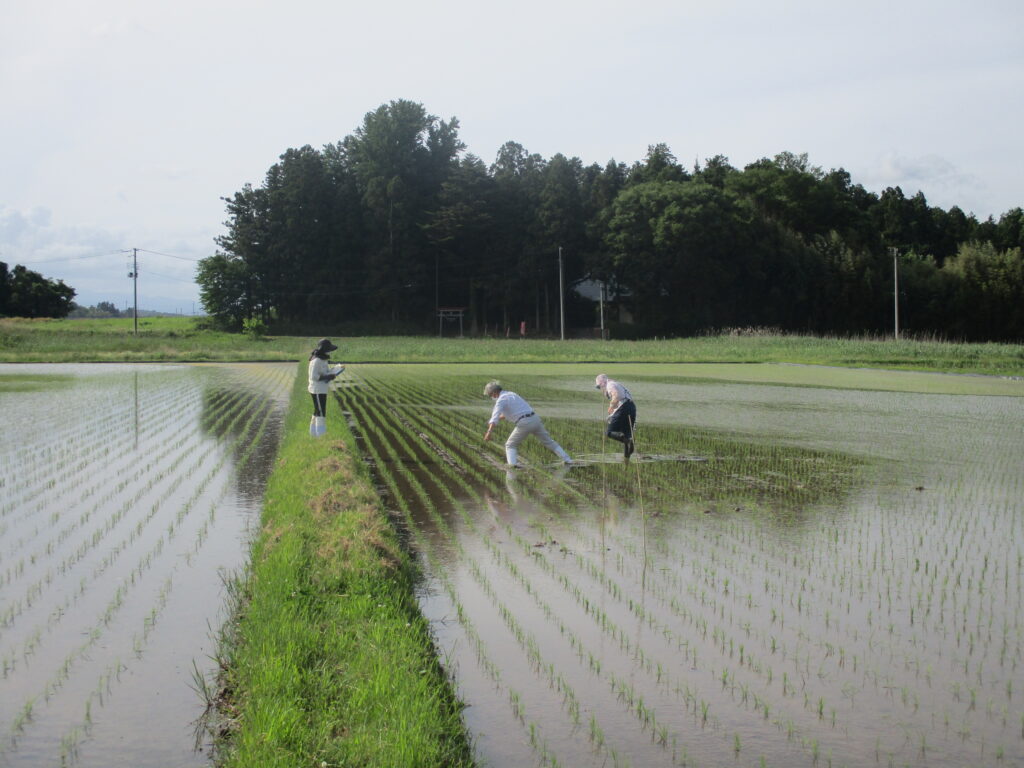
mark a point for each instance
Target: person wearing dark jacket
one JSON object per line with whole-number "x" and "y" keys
{"x": 621, "y": 412}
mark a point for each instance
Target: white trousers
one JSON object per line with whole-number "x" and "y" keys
{"x": 531, "y": 425}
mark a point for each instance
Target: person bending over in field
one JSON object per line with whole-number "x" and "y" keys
{"x": 621, "y": 412}
{"x": 321, "y": 373}
{"x": 516, "y": 411}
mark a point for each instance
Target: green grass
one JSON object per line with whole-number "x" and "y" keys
{"x": 31, "y": 383}
{"x": 330, "y": 661}
{"x": 176, "y": 339}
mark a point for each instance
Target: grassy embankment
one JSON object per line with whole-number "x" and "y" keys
{"x": 330, "y": 661}
{"x": 176, "y": 339}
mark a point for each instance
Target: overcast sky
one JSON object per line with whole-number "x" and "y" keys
{"x": 124, "y": 123}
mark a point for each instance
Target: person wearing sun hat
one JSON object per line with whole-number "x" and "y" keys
{"x": 621, "y": 412}
{"x": 515, "y": 410}
{"x": 321, "y": 373}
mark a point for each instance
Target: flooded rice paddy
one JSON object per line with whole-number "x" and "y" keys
{"x": 127, "y": 492}
{"x": 823, "y": 575}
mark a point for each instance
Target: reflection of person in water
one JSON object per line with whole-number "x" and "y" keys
{"x": 502, "y": 510}
{"x": 513, "y": 488}
{"x": 621, "y": 412}
{"x": 515, "y": 410}
{"x": 505, "y": 511}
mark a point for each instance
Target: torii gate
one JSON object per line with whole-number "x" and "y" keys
{"x": 449, "y": 313}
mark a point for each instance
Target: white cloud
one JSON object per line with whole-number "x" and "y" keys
{"x": 934, "y": 175}
{"x": 96, "y": 262}
{"x": 28, "y": 237}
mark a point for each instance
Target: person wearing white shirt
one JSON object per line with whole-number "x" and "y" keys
{"x": 321, "y": 373}
{"x": 515, "y": 410}
{"x": 621, "y": 412}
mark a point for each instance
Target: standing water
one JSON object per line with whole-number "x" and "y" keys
{"x": 128, "y": 493}
{"x": 816, "y": 576}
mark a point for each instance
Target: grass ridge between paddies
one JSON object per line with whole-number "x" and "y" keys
{"x": 329, "y": 661}
{"x": 177, "y": 339}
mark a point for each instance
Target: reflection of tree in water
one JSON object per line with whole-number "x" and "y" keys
{"x": 221, "y": 407}
{"x": 253, "y": 472}
{"x": 235, "y": 415}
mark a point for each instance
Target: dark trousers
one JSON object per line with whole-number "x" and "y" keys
{"x": 319, "y": 405}
{"x": 620, "y": 423}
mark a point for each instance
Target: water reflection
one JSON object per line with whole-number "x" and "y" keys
{"x": 136, "y": 401}
{"x": 773, "y": 597}
{"x": 236, "y": 408}
{"x": 125, "y": 498}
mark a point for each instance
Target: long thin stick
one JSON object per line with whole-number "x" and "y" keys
{"x": 643, "y": 515}
{"x": 604, "y": 490}
{"x": 604, "y": 472}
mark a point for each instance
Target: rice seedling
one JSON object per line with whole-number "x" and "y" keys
{"x": 644, "y": 713}
{"x": 859, "y": 612}
{"x": 99, "y": 564}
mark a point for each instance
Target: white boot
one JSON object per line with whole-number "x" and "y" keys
{"x": 321, "y": 425}
{"x": 560, "y": 452}
{"x": 511, "y": 456}
{"x": 312, "y": 426}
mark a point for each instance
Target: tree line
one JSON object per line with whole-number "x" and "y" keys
{"x": 101, "y": 310}
{"x": 375, "y": 232}
{"x": 26, "y": 293}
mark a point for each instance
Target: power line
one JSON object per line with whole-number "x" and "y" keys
{"x": 70, "y": 258}
{"x": 116, "y": 253}
{"x": 169, "y": 277}
{"x": 100, "y": 255}
{"x": 168, "y": 255}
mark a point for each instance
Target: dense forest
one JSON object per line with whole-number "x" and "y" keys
{"x": 25, "y": 293}
{"x": 376, "y": 232}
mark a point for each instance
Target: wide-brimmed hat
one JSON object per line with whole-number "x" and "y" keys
{"x": 324, "y": 345}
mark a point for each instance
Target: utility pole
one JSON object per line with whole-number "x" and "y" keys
{"x": 601, "y": 304}
{"x": 561, "y": 292}
{"x": 896, "y": 291}
{"x": 134, "y": 275}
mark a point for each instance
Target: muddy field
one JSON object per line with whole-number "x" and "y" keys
{"x": 813, "y": 575}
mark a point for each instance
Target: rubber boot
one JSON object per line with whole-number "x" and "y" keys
{"x": 312, "y": 426}
{"x": 321, "y": 425}
{"x": 628, "y": 450}
{"x": 512, "y": 456}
